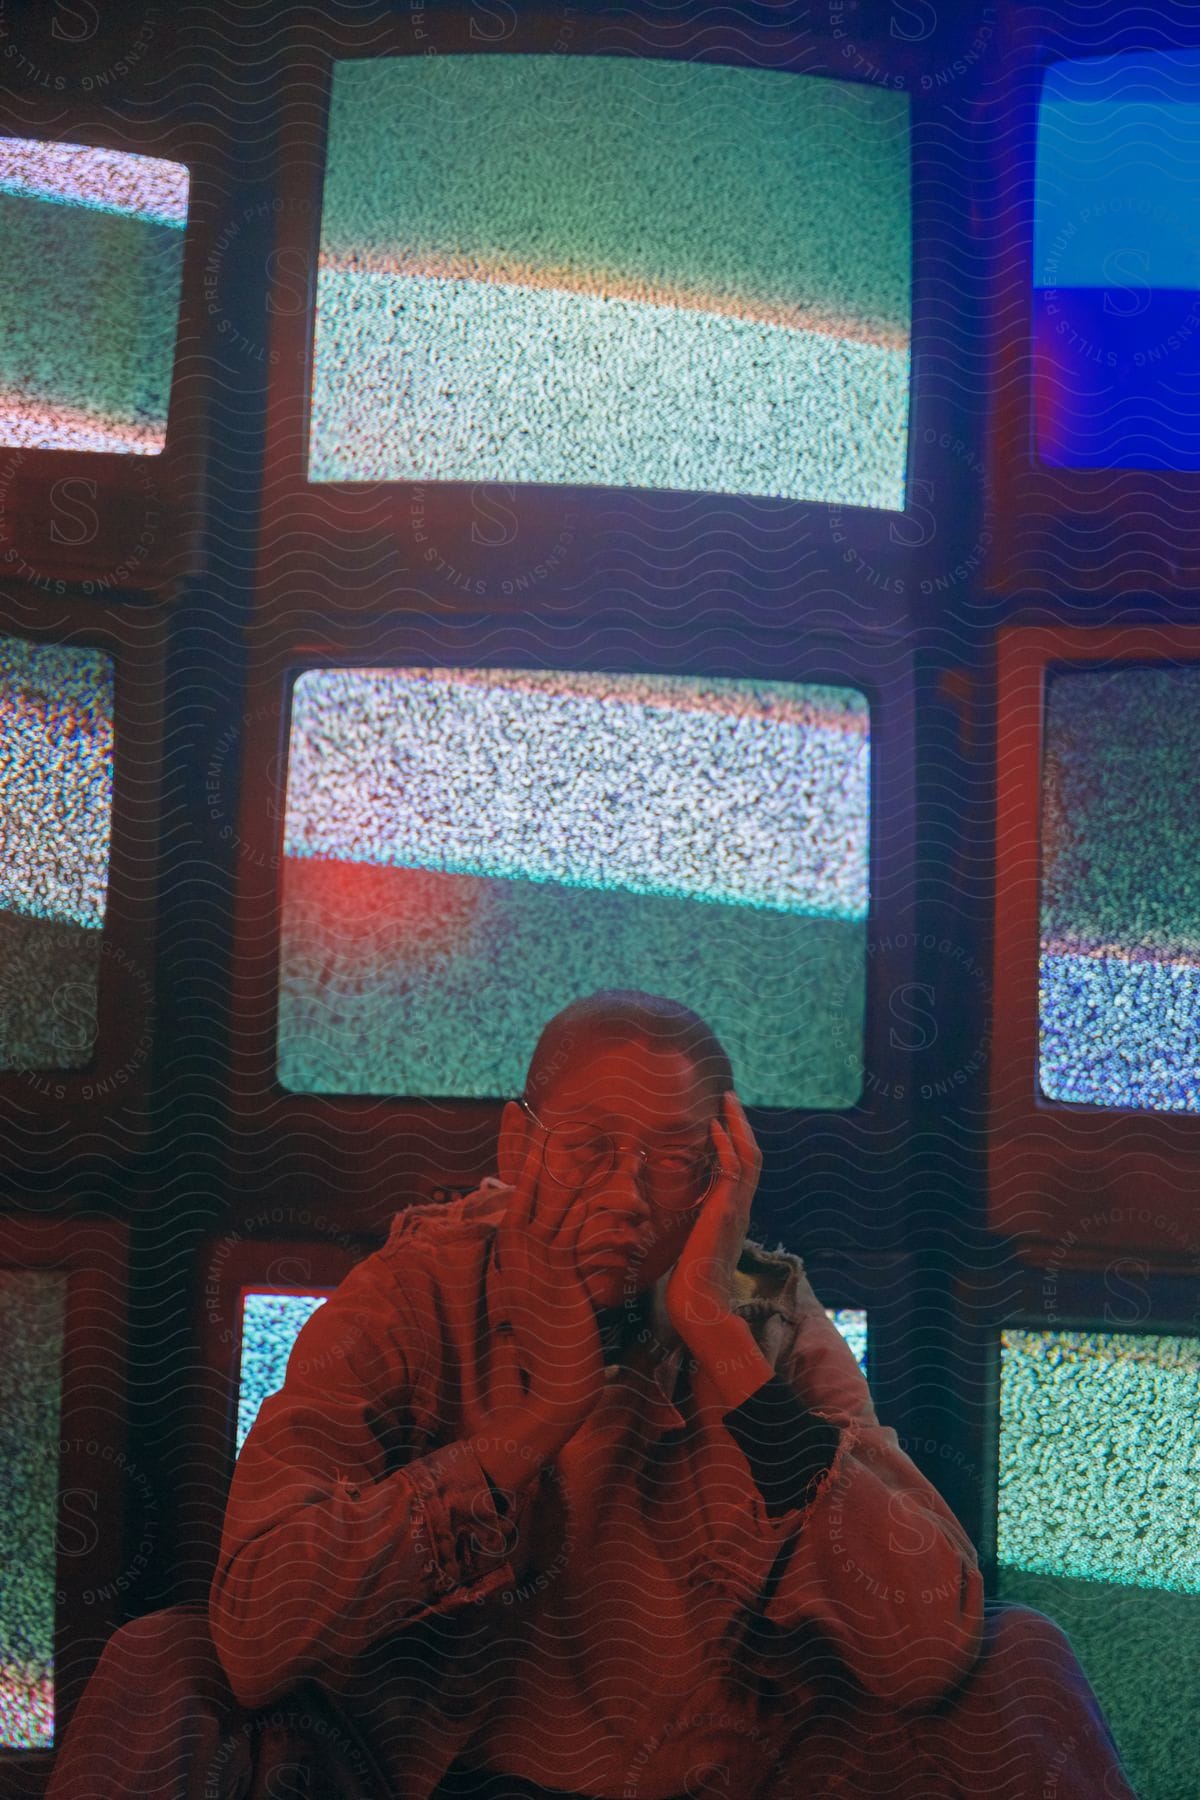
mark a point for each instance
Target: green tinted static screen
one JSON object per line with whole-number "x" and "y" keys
{"x": 466, "y": 850}
{"x": 614, "y": 272}
{"x": 1099, "y": 1450}
{"x": 91, "y": 280}
{"x": 32, "y": 1305}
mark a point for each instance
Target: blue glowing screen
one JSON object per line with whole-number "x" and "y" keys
{"x": 1116, "y": 263}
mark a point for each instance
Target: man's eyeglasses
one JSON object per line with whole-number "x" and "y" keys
{"x": 578, "y": 1155}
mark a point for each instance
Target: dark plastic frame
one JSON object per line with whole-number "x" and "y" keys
{"x": 130, "y": 496}
{"x": 1060, "y": 1172}
{"x": 1056, "y": 1295}
{"x": 327, "y": 551}
{"x": 94, "y": 1253}
{"x": 84, "y": 1104}
{"x": 369, "y": 1155}
{"x": 246, "y": 1265}
{"x": 1129, "y": 532}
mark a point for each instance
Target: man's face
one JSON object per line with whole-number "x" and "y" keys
{"x": 647, "y": 1099}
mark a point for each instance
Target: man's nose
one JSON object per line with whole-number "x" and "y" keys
{"x": 622, "y": 1190}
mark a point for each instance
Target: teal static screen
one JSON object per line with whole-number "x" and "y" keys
{"x": 1120, "y": 902}
{"x": 851, "y": 1321}
{"x": 56, "y": 785}
{"x": 466, "y": 851}
{"x": 93, "y": 266}
{"x": 614, "y": 272}
{"x": 32, "y": 1309}
{"x": 1099, "y": 1451}
{"x": 270, "y": 1325}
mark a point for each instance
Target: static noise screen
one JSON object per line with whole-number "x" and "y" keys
{"x": 32, "y": 1314}
{"x": 1116, "y": 262}
{"x": 1120, "y": 903}
{"x": 271, "y": 1322}
{"x": 1099, "y": 1445}
{"x": 56, "y": 775}
{"x": 614, "y": 272}
{"x": 851, "y": 1321}
{"x": 466, "y": 851}
{"x": 270, "y": 1325}
{"x": 93, "y": 264}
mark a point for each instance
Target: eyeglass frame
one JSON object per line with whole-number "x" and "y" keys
{"x": 710, "y": 1157}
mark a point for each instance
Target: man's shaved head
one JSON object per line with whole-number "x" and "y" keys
{"x": 619, "y": 1016}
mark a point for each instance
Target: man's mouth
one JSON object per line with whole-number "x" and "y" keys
{"x": 612, "y": 1250}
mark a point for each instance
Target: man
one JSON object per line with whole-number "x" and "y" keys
{"x": 570, "y": 1489}
{"x": 571, "y": 1484}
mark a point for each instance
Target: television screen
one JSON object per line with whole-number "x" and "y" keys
{"x": 271, "y": 1323}
{"x": 1120, "y": 905}
{"x": 1098, "y": 1451}
{"x": 851, "y": 1321}
{"x": 614, "y": 272}
{"x": 56, "y": 774}
{"x": 465, "y": 851}
{"x": 1116, "y": 262}
{"x": 93, "y": 244}
{"x": 32, "y": 1310}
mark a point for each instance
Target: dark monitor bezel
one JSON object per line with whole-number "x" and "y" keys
{"x": 886, "y": 1286}
{"x": 94, "y": 1253}
{"x": 328, "y": 550}
{"x": 357, "y": 1147}
{"x": 141, "y": 529}
{"x": 1105, "y": 534}
{"x": 227, "y": 1267}
{"x": 1103, "y": 1176}
{"x": 86, "y": 1104}
{"x": 1076, "y": 1291}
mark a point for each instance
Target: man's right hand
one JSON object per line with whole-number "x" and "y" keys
{"x": 553, "y": 1320}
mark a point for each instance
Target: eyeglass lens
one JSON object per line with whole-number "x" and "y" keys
{"x": 674, "y": 1176}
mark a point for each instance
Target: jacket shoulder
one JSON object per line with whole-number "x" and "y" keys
{"x": 445, "y": 1225}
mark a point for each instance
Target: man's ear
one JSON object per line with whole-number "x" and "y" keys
{"x": 510, "y": 1148}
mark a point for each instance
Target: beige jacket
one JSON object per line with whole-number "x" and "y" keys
{"x": 639, "y": 1610}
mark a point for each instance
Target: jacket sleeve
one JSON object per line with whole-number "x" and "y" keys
{"x": 872, "y": 1563}
{"x": 337, "y": 1532}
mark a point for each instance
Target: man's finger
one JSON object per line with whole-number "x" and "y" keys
{"x": 743, "y": 1138}
{"x": 520, "y": 1206}
{"x": 727, "y": 1159}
